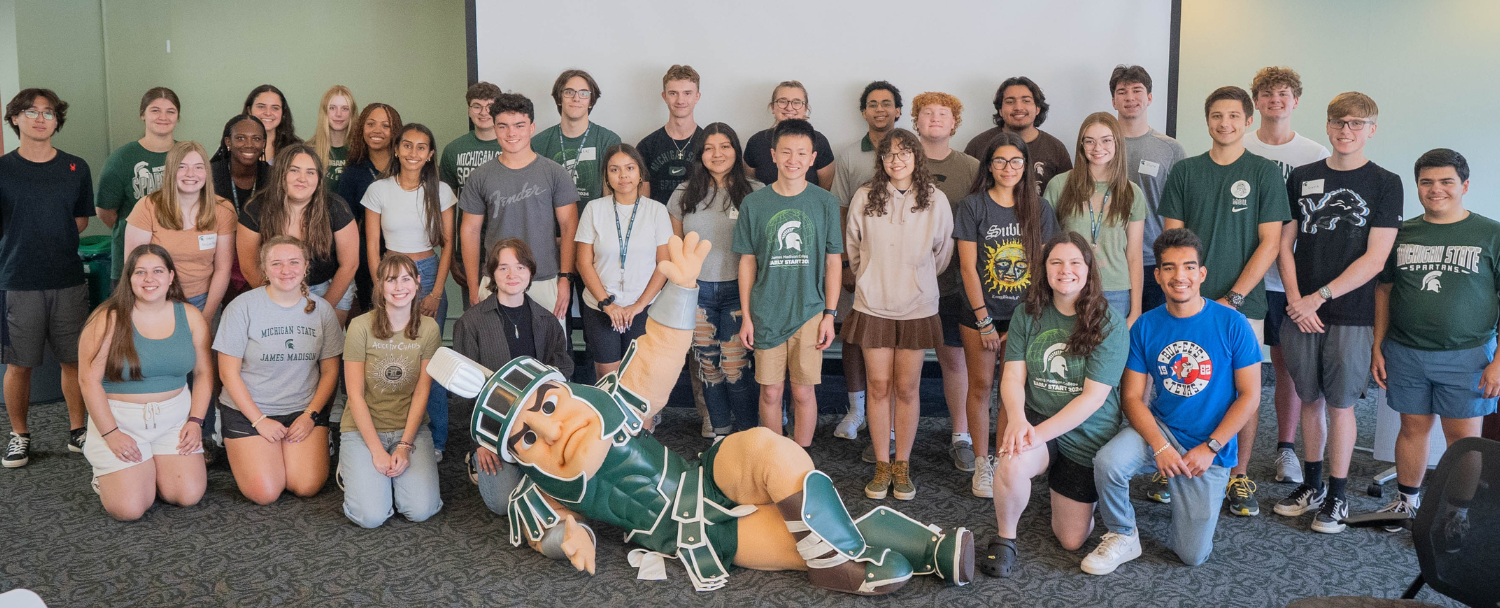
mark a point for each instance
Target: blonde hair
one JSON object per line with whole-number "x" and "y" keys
{"x": 169, "y": 209}
{"x": 791, "y": 84}
{"x": 1352, "y": 103}
{"x": 276, "y": 241}
{"x": 322, "y": 139}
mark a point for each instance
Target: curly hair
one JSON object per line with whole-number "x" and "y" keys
{"x": 1269, "y": 78}
{"x": 1090, "y": 323}
{"x": 933, "y": 98}
{"x": 1036, "y": 95}
{"x": 24, "y": 100}
{"x": 921, "y": 180}
{"x": 481, "y": 90}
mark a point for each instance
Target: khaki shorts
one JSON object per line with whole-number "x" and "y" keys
{"x": 798, "y": 356}
{"x": 1259, "y": 327}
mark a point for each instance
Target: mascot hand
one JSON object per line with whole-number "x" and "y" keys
{"x": 578, "y": 545}
{"x": 684, "y": 260}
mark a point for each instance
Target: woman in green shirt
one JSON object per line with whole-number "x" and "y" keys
{"x": 335, "y": 114}
{"x": 135, "y": 169}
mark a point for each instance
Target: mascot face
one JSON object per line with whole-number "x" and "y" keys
{"x": 558, "y": 433}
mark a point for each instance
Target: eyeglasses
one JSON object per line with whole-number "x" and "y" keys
{"x": 1089, "y": 142}
{"x": 904, "y": 155}
{"x": 1354, "y": 125}
{"x": 32, "y": 114}
{"x": 886, "y": 103}
{"x": 795, "y": 104}
{"x": 480, "y": 106}
{"x": 572, "y": 93}
{"x": 1015, "y": 163}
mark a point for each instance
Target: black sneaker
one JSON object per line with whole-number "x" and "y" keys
{"x": 999, "y": 558}
{"x": 18, "y": 451}
{"x": 75, "y": 439}
{"x": 1401, "y": 506}
{"x": 1301, "y": 500}
{"x": 1455, "y": 530}
{"x": 469, "y": 466}
{"x": 1330, "y": 517}
{"x": 1242, "y": 500}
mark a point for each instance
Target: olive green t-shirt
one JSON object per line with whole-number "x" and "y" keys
{"x": 129, "y": 175}
{"x": 1111, "y": 241}
{"x": 1445, "y": 283}
{"x": 1054, "y": 378}
{"x": 462, "y": 156}
{"x": 338, "y": 156}
{"x": 392, "y": 367}
{"x": 582, "y": 157}
{"x": 953, "y": 175}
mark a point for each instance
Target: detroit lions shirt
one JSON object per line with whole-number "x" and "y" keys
{"x": 1334, "y": 212}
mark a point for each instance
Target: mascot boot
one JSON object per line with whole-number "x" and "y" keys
{"x": 837, "y": 556}
{"x": 950, "y": 555}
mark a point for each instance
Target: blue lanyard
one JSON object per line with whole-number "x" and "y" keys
{"x": 583, "y": 139}
{"x": 624, "y": 237}
{"x": 1094, "y": 217}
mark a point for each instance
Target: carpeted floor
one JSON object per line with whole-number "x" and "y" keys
{"x": 227, "y": 551}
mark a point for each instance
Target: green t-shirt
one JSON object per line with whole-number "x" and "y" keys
{"x": 462, "y": 156}
{"x": 129, "y": 175}
{"x": 790, "y": 238}
{"x": 1054, "y": 378}
{"x": 1112, "y": 241}
{"x": 392, "y": 367}
{"x": 1445, "y": 281}
{"x": 337, "y": 158}
{"x": 581, "y": 156}
{"x": 1225, "y": 206}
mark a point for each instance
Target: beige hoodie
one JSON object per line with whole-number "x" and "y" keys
{"x": 896, "y": 257}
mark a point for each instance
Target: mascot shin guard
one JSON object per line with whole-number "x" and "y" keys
{"x": 950, "y": 554}
{"x": 837, "y": 556}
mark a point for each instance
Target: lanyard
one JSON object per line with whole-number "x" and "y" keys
{"x": 1094, "y": 217}
{"x": 624, "y": 237}
{"x": 583, "y": 139}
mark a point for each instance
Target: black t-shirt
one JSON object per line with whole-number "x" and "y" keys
{"x": 38, "y": 235}
{"x": 353, "y": 184}
{"x": 667, "y": 160}
{"x": 1334, "y": 212}
{"x": 324, "y": 267}
{"x": 224, "y": 183}
{"x": 758, "y": 157}
{"x": 518, "y": 334}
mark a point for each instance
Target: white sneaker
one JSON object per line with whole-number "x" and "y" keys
{"x": 708, "y": 429}
{"x": 1288, "y": 468}
{"x": 849, "y": 427}
{"x": 983, "y": 483}
{"x": 1114, "y": 550}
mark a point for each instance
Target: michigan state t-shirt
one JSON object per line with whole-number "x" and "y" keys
{"x": 790, "y": 237}
{"x": 1191, "y": 363}
{"x": 1001, "y": 256}
{"x": 462, "y": 156}
{"x": 1054, "y": 377}
{"x": 1334, "y": 212}
{"x": 1225, "y": 205}
{"x": 582, "y": 157}
{"x": 668, "y": 160}
{"x": 279, "y": 347}
{"x": 129, "y": 175}
{"x": 392, "y": 367}
{"x": 1445, "y": 281}
{"x": 338, "y": 156}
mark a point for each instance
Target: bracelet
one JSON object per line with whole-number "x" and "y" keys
{"x": 257, "y": 420}
{"x": 110, "y": 431}
{"x": 407, "y": 445}
{"x": 195, "y": 419}
{"x": 1161, "y": 449}
{"x": 988, "y": 331}
{"x": 978, "y": 308}
{"x": 985, "y": 322}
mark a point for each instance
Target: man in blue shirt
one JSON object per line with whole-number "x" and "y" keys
{"x": 1204, "y": 361}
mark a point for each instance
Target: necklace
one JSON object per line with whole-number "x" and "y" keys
{"x": 681, "y": 152}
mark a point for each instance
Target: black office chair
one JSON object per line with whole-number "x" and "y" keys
{"x": 1456, "y": 532}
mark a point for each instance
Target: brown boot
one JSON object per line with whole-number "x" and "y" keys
{"x": 901, "y": 484}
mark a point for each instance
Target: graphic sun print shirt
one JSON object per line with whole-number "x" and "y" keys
{"x": 1191, "y": 362}
{"x": 1004, "y": 271}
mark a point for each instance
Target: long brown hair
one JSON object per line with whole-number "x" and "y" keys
{"x": 700, "y": 187}
{"x": 1080, "y": 185}
{"x": 118, "y": 309}
{"x": 1091, "y": 309}
{"x": 317, "y": 223}
{"x": 265, "y": 249}
{"x": 358, "y": 150}
{"x": 428, "y": 178}
{"x": 1028, "y": 203}
{"x": 921, "y": 180}
{"x": 391, "y": 267}
{"x": 169, "y": 209}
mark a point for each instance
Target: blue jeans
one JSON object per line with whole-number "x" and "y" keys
{"x": 344, "y": 303}
{"x": 495, "y": 489}
{"x": 370, "y": 497}
{"x": 1195, "y": 502}
{"x": 437, "y": 398}
{"x": 1119, "y": 300}
{"x": 729, "y": 389}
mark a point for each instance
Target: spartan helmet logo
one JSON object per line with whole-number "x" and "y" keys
{"x": 1054, "y": 361}
{"x": 1430, "y": 282}
{"x": 289, "y": 345}
{"x": 787, "y": 236}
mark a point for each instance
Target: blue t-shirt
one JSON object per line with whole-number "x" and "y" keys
{"x": 1186, "y": 360}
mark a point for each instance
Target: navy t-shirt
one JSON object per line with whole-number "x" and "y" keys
{"x": 38, "y": 234}
{"x": 758, "y": 157}
{"x": 1191, "y": 362}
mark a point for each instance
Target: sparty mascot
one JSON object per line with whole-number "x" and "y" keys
{"x": 752, "y": 500}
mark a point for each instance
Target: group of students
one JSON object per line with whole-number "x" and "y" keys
{"x": 1154, "y": 273}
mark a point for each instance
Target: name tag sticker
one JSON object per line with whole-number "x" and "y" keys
{"x": 589, "y": 153}
{"x": 1312, "y": 186}
{"x": 207, "y": 241}
{"x": 1149, "y": 168}
{"x": 734, "y": 214}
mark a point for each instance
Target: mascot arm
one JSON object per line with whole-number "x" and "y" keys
{"x": 659, "y": 354}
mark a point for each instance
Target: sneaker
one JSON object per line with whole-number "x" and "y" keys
{"x": 1400, "y": 506}
{"x": 1455, "y": 530}
{"x": 1288, "y": 468}
{"x": 94, "y": 483}
{"x": 999, "y": 558}
{"x": 707, "y": 432}
{"x": 473, "y": 470}
{"x": 437, "y": 454}
{"x": 963, "y": 455}
{"x": 75, "y": 439}
{"x": 878, "y": 486}
{"x": 869, "y": 454}
{"x": 1114, "y": 550}
{"x": 1241, "y": 493}
{"x": 849, "y": 427}
{"x": 1330, "y": 518}
{"x": 983, "y": 483}
{"x": 1301, "y": 500}
{"x": 1157, "y": 491}
{"x": 18, "y": 451}
{"x": 901, "y": 485}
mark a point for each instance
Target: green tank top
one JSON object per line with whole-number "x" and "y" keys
{"x": 165, "y": 363}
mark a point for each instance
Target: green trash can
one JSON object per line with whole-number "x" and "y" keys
{"x": 94, "y": 251}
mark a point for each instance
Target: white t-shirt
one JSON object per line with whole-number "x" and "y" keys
{"x": 1290, "y": 155}
{"x": 597, "y": 226}
{"x": 403, "y": 215}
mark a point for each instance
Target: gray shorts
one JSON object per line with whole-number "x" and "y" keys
{"x": 35, "y": 319}
{"x": 1334, "y": 365}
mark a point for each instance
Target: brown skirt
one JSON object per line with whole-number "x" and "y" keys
{"x": 870, "y": 331}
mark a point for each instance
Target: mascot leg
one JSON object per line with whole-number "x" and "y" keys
{"x": 930, "y": 550}
{"x": 837, "y": 556}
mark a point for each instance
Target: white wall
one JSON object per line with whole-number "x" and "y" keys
{"x": 963, "y": 47}
{"x": 10, "y": 67}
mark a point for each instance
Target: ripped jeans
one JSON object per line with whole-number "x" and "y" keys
{"x": 729, "y": 388}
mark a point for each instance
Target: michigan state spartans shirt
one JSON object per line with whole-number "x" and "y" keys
{"x": 1445, "y": 281}
{"x": 790, "y": 237}
{"x": 129, "y": 175}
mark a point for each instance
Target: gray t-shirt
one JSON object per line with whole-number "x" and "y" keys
{"x": 520, "y": 203}
{"x": 855, "y": 166}
{"x": 279, "y": 348}
{"x": 713, "y": 220}
{"x": 1150, "y": 158}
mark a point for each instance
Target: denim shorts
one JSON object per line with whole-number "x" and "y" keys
{"x": 1445, "y": 383}
{"x": 344, "y": 303}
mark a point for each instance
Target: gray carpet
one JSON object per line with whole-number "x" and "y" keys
{"x": 227, "y": 551}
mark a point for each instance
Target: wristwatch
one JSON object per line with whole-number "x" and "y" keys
{"x": 1325, "y": 292}
{"x": 831, "y": 312}
{"x": 1235, "y": 300}
{"x": 1214, "y": 445}
{"x": 195, "y": 419}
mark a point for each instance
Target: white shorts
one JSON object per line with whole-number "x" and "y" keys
{"x": 154, "y": 427}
